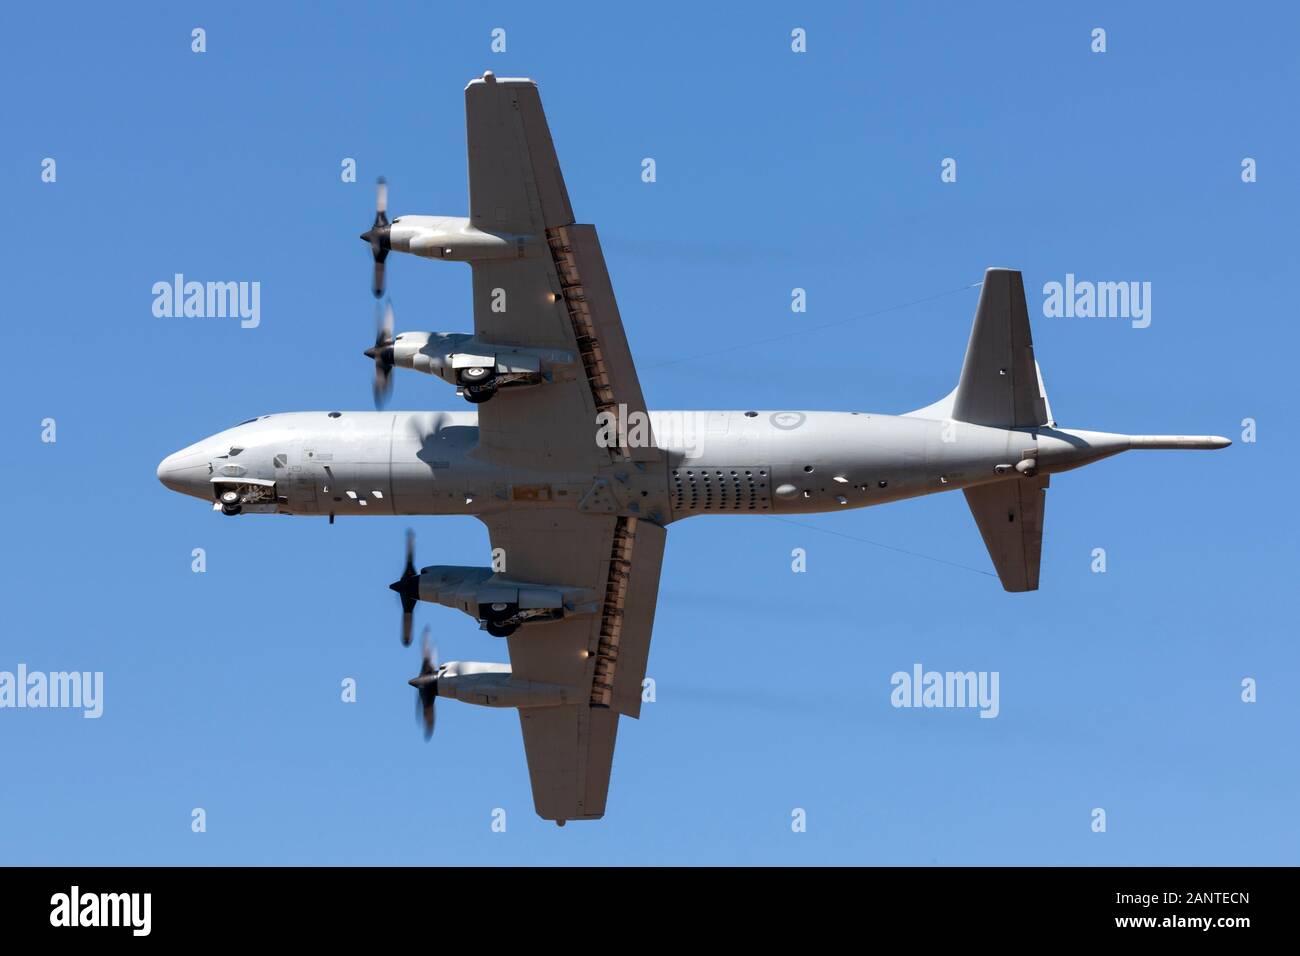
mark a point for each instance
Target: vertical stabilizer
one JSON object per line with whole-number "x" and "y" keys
{"x": 1000, "y": 384}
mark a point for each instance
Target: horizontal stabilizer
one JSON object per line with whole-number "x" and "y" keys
{"x": 1010, "y": 519}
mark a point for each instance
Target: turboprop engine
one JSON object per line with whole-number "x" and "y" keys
{"x": 492, "y": 685}
{"x": 436, "y": 237}
{"x": 478, "y": 369}
{"x": 455, "y": 238}
{"x": 476, "y": 682}
{"x": 500, "y": 604}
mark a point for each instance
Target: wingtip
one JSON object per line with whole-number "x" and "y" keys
{"x": 491, "y": 79}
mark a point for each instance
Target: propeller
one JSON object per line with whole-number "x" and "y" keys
{"x": 378, "y": 236}
{"x": 408, "y": 588}
{"x": 382, "y": 353}
{"x": 426, "y": 685}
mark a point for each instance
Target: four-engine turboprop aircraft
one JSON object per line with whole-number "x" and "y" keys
{"x": 576, "y": 482}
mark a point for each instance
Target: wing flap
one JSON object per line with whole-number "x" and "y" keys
{"x": 598, "y": 327}
{"x": 621, "y": 663}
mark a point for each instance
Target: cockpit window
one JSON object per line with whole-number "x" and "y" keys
{"x": 249, "y": 422}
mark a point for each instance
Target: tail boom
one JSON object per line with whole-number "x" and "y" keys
{"x": 1205, "y": 442}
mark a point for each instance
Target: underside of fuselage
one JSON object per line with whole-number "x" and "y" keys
{"x": 713, "y": 462}
{"x": 343, "y": 463}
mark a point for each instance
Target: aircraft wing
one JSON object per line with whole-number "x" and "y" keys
{"x": 555, "y": 294}
{"x": 570, "y": 748}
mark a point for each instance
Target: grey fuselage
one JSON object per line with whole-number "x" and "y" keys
{"x": 716, "y": 462}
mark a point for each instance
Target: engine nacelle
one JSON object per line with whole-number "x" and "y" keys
{"x": 501, "y": 604}
{"x": 478, "y": 369}
{"x": 491, "y": 685}
{"x": 456, "y": 239}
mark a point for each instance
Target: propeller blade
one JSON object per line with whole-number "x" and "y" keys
{"x": 426, "y": 684}
{"x": 428, "y": 653}
{"x": 408, "y": 588}
{"x": 381, "y": 388}
{"x": 378, "y": 237}
{"x": 430, "y": 712}
{"x": 382, "y": 353}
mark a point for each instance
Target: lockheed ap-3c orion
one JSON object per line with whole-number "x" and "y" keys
{"x": 578, "y": 509}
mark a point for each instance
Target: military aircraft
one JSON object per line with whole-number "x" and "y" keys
{"x": 577, "y": 481}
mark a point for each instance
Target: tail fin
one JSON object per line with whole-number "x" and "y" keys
{"x": 1001, "y": 387}
{"x": 1000, "y": 384}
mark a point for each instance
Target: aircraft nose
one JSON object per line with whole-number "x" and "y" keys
{"x": 185, "y": 471}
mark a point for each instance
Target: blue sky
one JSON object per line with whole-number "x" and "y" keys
{"x": 775, "y": 170}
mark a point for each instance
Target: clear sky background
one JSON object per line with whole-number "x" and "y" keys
{"x": 775, "y": 170}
